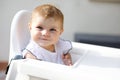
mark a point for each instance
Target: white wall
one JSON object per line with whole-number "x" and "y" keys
{"x": 83, "y": 16}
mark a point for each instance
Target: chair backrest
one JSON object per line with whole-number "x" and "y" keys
{"x": 19, "y": 35}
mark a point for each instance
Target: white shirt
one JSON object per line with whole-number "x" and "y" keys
{"x": 62, "y": 47}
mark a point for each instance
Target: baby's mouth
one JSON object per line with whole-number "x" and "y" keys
{"x": 44, "y": 39}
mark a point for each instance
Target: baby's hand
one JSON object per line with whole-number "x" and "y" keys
{"x": 67, "y": 59}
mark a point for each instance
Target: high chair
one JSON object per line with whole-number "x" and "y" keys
{"x": 90, "y": 62}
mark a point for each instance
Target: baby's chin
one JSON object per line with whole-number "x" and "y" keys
{"x": 45, "y": 44}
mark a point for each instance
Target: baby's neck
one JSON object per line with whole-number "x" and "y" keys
{"x": 50, "y": 48}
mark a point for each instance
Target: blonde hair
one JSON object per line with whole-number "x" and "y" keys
{"x": 48, "y": 11}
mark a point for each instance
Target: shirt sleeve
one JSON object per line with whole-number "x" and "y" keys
{"x": 34, "y": 49}
{"x": 66, "y": 46}
{"x": 27, "y": 49}
{"x": 24, "y": 53}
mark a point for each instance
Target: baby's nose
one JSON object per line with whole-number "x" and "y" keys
{"x": 44, "y": 32}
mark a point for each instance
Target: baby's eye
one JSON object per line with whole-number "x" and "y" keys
{"x": 52, "y": 29}
{"x": 39, "y": 27}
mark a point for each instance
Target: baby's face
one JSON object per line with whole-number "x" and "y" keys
{"x": 45, "y": 32}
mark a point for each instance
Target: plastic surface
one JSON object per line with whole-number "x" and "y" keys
{"x": 91, "y": 62}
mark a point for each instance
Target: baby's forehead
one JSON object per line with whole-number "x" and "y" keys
{"x": 46, "y": 20}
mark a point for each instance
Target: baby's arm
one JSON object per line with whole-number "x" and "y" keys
{"x": 30, "y": 55}
{"x": 67, "y": 59}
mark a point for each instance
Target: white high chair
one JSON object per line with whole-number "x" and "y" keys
{"x": 91, "y": 62}
{"x": 19, "y": 35}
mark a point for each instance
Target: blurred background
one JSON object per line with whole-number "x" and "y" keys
{"x": 81, "y": 16}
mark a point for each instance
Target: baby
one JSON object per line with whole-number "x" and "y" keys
{"x": 46, "y": 26}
